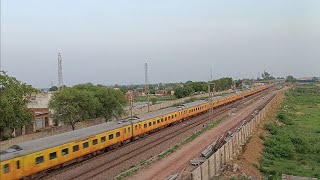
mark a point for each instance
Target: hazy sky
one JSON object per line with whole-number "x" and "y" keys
{"x": 108, "y": 41}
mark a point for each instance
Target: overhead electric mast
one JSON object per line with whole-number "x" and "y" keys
{"x": 146, "y": 85}
{"x": 60, "y": 75}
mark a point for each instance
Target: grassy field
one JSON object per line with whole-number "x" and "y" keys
{"x": 294, "y": 144}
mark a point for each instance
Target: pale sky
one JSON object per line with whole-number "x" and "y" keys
{"x": 108, "y": 41}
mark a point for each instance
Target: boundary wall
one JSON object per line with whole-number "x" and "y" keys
{"x": 214, "y": 165}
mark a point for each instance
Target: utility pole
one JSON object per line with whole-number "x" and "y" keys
{"x": 211, "y": 93}
{"x": 60, "y": 76}
{"x": 131, "y": 98}
{"x": 146, "y": 85}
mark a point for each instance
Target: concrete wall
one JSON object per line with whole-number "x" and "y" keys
{"x": 214, "y": 165}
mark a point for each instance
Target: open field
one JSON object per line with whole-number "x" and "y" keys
{"x": 293, "y": 146}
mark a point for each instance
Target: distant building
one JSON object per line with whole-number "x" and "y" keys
{"x": 129, "y": 95}
{"x": 161, "y": 92}
{"x": 306, "y": 80}
{"x": 41, "y": 119}
{"x": 256, "y": 84}
{"x": 39, "y": 100}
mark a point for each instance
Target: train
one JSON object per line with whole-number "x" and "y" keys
{"x": 34, "y": 158}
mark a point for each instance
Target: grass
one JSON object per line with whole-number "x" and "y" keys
{"x": 294, "y": 144}
{"x": 169, "y": 151}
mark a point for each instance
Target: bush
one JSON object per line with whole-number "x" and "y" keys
{"x": 271, "y": 127}
{"x": 282, "y": 117}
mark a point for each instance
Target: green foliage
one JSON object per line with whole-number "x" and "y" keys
{"x": 181, "y": 92}
{"x": 294, "y": 146}
{"x": 13, "y": 103}
{"x": 198, "y": 86}
{"x": 239, "y": 84}
{"x": 53, "y": 88}
{"x": 153, "y": 100}
{"x": 266, "y": 76}
{"x": 223, "y": 84}
{"x": 290, "y": 79}
{"x": 112, "y": 102}
{"x": 86, "y": 101}
{"x": 73, "y": 105}
{"x": 271, "y": 127}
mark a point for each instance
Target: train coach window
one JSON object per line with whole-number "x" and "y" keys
{"x": 103, "y": 139}
{"x": 85, "y": 145}
{"x": 65, "y": 151}
{"x": 136, "y": 127}
{"x": 39, "y": 160}
{"x": 6, "y": 168}
{"x": 118, "y": 134}
{"x": 154, "y": 122}
{"x": 95, "y": 142}
{"x": 150, "y": 124}
{"x": 125, "y": 130}
{"x": 158, "y": 121}
{"x": 129, "y": 130}
{"x": 75, "y": 148}
{"x": 145, "y": 125}
{"x": 18, "y": 164}
{"x": 110, "y": 136}
{"x": 53, "y": 155}
{"x": 175, "y": 115}
{"x": 161, "y": 119}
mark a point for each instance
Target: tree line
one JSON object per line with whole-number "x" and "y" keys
{"x": 221, "y": 84}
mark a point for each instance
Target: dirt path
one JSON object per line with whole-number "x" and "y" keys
{"x": 178, "y": 161}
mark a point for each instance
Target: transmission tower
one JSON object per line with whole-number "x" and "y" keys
{"x": 146, "y": 83}
{"x": 60, "y": 76}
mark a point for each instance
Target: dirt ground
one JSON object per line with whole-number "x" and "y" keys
{"x": 249, "y": 159}
{"x": 178, "y": 161}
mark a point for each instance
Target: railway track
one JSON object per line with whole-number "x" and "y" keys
{"x": 117, "y": 159}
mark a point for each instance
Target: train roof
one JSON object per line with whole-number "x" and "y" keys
{"x": 160, "y": 112}
{"x": 57, "y": 140}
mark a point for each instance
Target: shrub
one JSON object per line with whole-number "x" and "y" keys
{"x": 271, "y": 127}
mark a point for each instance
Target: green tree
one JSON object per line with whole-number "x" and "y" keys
{"x": 267, "y": 76}
{"x": 223, "y": 84}
{"x": 181, "y": 92}
{"x": 153, "y": 100}
{"x": 239, "y": 84}
{"x": 72, "y": 105}
{"x": 112, "y": 102}
{"x": 53, "y": 88}
{"x": 13, "y": 103}
{"x": 290, "y": 79}
{"x": 198, "y": 86}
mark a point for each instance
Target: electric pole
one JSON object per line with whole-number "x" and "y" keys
{"x": 60, "y": 76}
{"x": 210, "y": 96}
{"x": 146, "y": 85}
